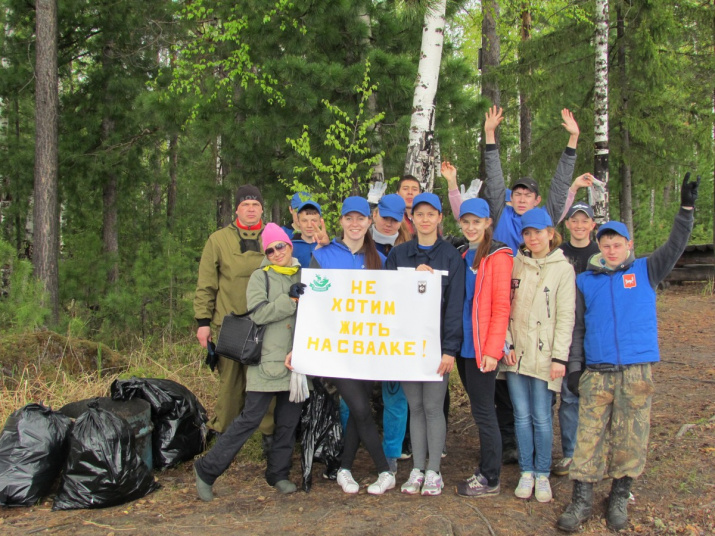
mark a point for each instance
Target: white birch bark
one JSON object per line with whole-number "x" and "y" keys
{"x": 378, "y": 170}
{"x": 600, "y": 98}
{"x": 422, "y": 150}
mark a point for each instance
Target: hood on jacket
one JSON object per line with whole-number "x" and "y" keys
{"x": 598, "y": 265}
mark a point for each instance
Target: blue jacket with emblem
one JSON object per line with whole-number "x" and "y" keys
{"x": 441, "y": 256}
{"x": 616, "y": 322}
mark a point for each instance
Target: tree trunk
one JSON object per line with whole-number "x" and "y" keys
{"x": 490, "y": 60}
{"x": 626, "y": 183}
{"x": 422, "y": 149}
{"x": 171, "y": 189}
{"x": 524, "y": 110}
{"x": 224, "y": 208}
{"x": 46, "y": 211}
{"x": 600, "y": 164}
{"x": 378, "y": 170}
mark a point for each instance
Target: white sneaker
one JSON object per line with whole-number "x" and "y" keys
{"x": 414, "y": 483}
{"x": 347, "y": 482}
{"x": 433, "y": 483}
{"x": 385, "y": 481}
{"x": 543, "y": 489}
{"x": 526, "y": 485}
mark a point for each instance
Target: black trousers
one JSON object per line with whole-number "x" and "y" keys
{"x": 287, "y": 417}
{"x": 505, "y": 415}
{"x": 480, "y": 389}
{"x": 360, "y": 426}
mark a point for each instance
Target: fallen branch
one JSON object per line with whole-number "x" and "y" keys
{"x": 479, "y": 512}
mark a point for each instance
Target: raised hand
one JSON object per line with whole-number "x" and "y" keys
{"x": 449, "y": 172}
{"x": 492, "y": 119}
{"x": 569, "y": 123}
{"x": 689, "y": 191}
{"x": 582, "y": 181}
{"x": 321, "y": 235}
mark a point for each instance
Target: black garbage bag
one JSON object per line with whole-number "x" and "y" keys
{"x": 321, "y": 435}
{"x": 179, "y": 418}
{"x": 103, "y": 467}
{"x": 33, "y": 447}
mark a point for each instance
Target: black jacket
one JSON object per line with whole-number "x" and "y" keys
{"x": 441, "y": 256}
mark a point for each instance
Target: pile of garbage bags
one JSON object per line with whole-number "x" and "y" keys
{"x": 96, "y": 456}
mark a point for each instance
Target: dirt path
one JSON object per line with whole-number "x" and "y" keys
{"x": 675, "y": 495}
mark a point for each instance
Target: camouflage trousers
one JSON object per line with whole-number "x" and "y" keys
{"x": 613, "y": 424}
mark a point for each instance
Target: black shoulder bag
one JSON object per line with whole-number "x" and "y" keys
{"x": 240, "y": 339}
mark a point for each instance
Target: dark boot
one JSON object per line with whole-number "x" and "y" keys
{"x": 617, "y": 514}
{"x": 580, "y": 508}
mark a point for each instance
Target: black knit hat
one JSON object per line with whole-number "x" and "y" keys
{"x": 248, "y": 192}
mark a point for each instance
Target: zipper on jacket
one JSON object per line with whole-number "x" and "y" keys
{"x": 548, "y": 305}
{"x": 474, "y": 304}
{"x": 615, "y": 322}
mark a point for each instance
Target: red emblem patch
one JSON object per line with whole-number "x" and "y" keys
{"x": 629, "y": 281}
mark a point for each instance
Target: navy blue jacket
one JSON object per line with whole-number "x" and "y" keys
{"x": 441, "y": 256}
{"x": 616, "y": 323}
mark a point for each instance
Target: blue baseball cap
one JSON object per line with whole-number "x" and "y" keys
{"x": 310, "y": 204}
{"x": 429, "y": 198}
{"x": 536, "y": 218}
{"x": 581, "y": 206}
{"x": 476, "y": 206}
{"x": 615, "y": 226}
{"x": 298, "y": 199}
{"x": 356, "y": 204}
{"x": 392, "y": 206}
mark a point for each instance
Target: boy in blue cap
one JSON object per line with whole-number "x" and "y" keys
{"x": 578, "y": 250}
{"x": 615, "y": 342}
{"x": 309, "y": 220}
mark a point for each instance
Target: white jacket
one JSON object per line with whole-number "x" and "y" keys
{"x": 542, "y": 314}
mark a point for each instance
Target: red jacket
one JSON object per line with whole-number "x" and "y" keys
{"x": 492, "y": 302}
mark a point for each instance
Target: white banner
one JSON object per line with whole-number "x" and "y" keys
{"x": 369, "y": 324}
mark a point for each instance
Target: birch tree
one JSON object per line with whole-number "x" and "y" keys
{"x": 600, "y": 98}
{"x": 422, "y": 149}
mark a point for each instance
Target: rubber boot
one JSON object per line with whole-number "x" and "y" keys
{"x": 617, "y": 514}
{"x": 580, "y": 508}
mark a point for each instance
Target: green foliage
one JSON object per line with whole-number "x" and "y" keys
{"x": 349, "y": 166}
{"x": 22, "y": 296}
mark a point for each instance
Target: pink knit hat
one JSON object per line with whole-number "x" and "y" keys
{"x": 273, "y": 233}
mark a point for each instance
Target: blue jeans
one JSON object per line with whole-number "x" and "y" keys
{"x": 531, "y": 399}
{"x": 394, "y": 418}
{"x": 568, "y": 420}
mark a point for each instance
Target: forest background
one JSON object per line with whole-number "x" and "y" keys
{"x": 165, "y": 107}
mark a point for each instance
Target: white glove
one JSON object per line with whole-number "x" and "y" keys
{"x": 598, "y": 199}
{"x": 472, "y": 191}
{"x": 377, "y": 190}
{"x": 298, "y": 387}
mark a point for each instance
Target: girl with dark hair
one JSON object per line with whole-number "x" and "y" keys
{"x": 485, "y": 318}
{"x": 428, "y": 251}
{"x": 356, "y": 250}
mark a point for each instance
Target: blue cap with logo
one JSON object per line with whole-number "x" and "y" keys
{"x": 536, "y": 218}
{"x": 392, "y": 206}
{"x": 476, "y": 206}
{"x": 615, "y": 226}
{"x": 581, "y": 206}
{"x": 356, "y": 204}
{"x": 309, "y": 204}
{"x": 429, "y": 198}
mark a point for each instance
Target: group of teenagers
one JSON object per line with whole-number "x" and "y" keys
{"x": 576, "y": 319}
